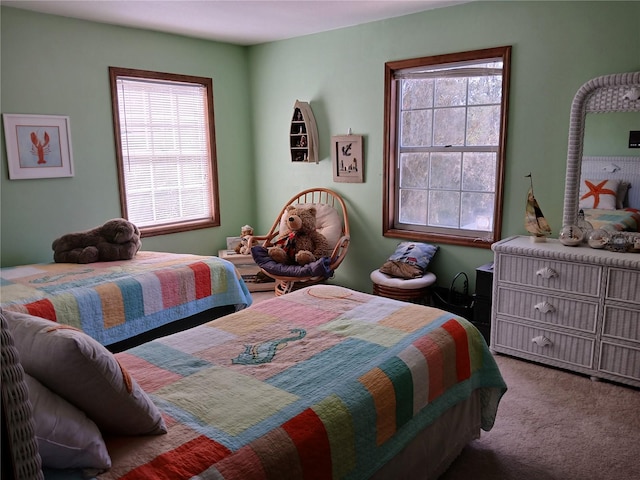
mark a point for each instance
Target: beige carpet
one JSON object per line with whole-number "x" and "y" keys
{"x": 552, "y": 424}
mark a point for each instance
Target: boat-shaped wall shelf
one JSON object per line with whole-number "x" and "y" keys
{"x": 303, "y": 134}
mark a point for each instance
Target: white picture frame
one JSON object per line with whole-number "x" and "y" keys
{"x": 38, "y": 146}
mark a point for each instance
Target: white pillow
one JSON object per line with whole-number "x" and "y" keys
{"x": 66, "y": 437}
{"x": 600, "y": 194}
{"x": 86, "y": 374}
{"x": 328, "y": 221}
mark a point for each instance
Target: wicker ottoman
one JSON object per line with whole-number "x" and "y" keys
{"x": 416, "y": 290}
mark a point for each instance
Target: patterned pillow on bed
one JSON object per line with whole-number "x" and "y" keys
{"x": 600, "y": 194}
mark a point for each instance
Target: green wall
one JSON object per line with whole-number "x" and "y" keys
{"x": 557, "y": 46}
{"x": 59, "y": 66}
{"x": 607, "y": 134}
{"x": 54, "y": 65}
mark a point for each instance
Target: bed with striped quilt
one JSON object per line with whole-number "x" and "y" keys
{"x": 115, "y": 301}
{"x": 322, "y": 383}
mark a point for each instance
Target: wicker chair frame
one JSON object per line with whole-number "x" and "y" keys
{"x": 316, "y": 196}
{"x": 20, "y": 457}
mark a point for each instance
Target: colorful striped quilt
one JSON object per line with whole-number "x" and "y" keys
{"x": 322, "y": 383}
{"x": 113, "y": 301}
{"x": 623, "y": 220}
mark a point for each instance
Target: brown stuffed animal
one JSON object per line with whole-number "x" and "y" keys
{"x": 301, "y": 243}
{"x": 117, "y": 239}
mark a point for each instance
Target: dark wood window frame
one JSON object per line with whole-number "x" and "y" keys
{"x": 213, "y": 220}
{"x": 390, "y": 170}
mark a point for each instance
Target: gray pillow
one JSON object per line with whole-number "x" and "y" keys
{"x": 83, "y": 372}
{"x": 66, "y": 437}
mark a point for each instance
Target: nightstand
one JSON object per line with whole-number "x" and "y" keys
{"x": 248, "y": 270}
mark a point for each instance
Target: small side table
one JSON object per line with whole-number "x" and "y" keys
{"x": 247, "y": 269}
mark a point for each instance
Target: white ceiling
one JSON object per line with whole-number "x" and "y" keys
{"x": 243, "y": 22}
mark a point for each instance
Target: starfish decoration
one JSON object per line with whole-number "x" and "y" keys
{"x": 595, "y": 191}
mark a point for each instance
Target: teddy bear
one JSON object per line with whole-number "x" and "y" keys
{"x": 116, "y": 239}
{"x": 246, "y": 240}
{"x": 300, "y": 243}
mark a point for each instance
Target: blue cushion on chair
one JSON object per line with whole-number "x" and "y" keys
{"x": 319, "y": 268}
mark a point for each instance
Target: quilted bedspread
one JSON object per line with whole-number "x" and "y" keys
{"x": 322, "y": 383}
{"x": 624, "y": 220}
{"x": 113, "y": 301}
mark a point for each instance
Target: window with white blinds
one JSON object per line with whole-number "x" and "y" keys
{"x": 166, "y": 150}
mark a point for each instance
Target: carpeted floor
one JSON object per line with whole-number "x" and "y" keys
{"x": 555, "y": 425}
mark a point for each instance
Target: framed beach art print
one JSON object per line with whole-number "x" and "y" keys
{"x": 347, "y": 156}
{"x": 38, "y": 146}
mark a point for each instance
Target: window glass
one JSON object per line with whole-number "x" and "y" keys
{"x": 414, "y": 170}
{"x": 445, "y": 120}
{"x": 417, "y": 128}
{"x": 449, "y": 128}
{"x": 165, "y": 149}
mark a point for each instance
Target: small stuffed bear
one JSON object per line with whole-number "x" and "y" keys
{"x": 301, "y": 243}
{"x": 244, "y": 247}
{"x": 117, "y": 239}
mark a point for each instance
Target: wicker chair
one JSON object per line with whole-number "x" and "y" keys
{"x": 321, "y": 198}
{"x": 20, "y": 457}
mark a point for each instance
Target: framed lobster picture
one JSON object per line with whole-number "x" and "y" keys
{"x": 38, "y": 146}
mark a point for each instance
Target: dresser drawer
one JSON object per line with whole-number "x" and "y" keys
{"x": 622, "y": 323}
{"x": 579, "y": 315}
{"x": 620, "y": 360}
{"x": 577, "y": 278}
{"x": 624, "y": 285}
{"x": 567, "y": 348}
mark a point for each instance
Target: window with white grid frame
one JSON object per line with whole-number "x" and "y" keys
{"x": 445, "y": 120}
{"x": 166, "y": 150}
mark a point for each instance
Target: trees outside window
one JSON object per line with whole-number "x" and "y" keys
{"x": 445, "y": 136}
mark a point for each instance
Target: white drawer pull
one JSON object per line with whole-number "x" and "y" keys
{"x": 541, "y": 341}
{"x": 545, "y": 307}
{"x": 547, "y": 273}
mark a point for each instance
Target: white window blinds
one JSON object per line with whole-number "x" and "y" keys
{"x": 165, "y": 151}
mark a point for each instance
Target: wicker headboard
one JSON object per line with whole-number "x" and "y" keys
{"x": 618, "y": 168}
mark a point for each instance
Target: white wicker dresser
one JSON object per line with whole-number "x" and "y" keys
{"x": 570, "y": 307}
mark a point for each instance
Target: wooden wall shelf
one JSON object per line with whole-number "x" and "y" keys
{"x": 303, "y": 134}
